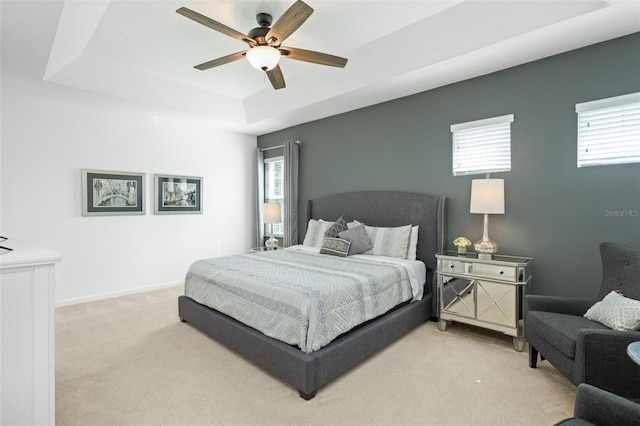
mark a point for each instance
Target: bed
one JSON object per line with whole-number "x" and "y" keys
{"x": 307, "y": 371}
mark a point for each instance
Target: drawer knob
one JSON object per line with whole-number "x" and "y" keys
{"x": 501, "y": 272}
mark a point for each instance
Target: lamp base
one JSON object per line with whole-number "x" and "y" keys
{"x": 272, "y": 243}
{"x": 486, "y": 248}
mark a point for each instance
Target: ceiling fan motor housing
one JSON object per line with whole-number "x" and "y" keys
{"x": 264, "y": 19}
{"x": 258, "y": 34}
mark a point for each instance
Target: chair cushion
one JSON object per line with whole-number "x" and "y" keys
{"x": 560, "y": 330}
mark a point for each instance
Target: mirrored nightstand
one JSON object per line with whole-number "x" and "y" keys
{"x": 485, "y": 293}
{"x": 260, "y": 249}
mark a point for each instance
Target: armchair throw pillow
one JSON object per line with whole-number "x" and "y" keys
{"x": 616, "y": 312}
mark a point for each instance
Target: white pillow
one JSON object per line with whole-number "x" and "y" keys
{"x": 315, "y": 232}
{"x": 413, "y": 243}
{"x": 392, "y": 242}
{"x": 353, "y": 224}
{"x": 616, "y": 312}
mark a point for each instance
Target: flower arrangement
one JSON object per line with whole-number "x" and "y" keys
{"x": 462, "y": 243}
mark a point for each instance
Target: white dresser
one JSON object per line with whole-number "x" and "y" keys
{"x": 27, "y": 334}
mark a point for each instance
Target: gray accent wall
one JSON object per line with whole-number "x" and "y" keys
{"x": 555, "y": 212}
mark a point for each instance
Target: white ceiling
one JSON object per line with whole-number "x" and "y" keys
{"x": 145, "y": 52}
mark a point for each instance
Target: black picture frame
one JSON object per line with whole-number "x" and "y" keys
{"x": 109, "y": 193}
{"x": 175, "y": 194}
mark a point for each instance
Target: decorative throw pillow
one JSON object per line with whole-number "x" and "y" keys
{"x": 616, "y": 312}
{"x": 335, "y": 229}
{"x": 335, "y": 247}
{"x": 360, "y": 241}
{"x": 315, "y": 232}
{"x": 392, "y": 242}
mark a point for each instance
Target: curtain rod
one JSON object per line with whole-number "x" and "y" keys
{"x": 278, "y": 146}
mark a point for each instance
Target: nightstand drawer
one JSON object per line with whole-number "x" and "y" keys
{"x": 456, "y": 267}
{"x": 502, "y": 272}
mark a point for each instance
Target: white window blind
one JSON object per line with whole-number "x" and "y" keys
{"x": 274, "y": 191}
{"x": 609, "y": 131}
{"x": 482, "y": 146}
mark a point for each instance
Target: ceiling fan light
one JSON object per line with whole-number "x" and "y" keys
{"x": 263, "y": 58}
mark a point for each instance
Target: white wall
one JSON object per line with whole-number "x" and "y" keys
{"x": 50, "y": 133}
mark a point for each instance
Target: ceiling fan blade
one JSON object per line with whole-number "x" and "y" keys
{"x": 276, "y": 78}
{"x": 289, "y": 22}
{"x": 315, "y": 57}
{"x": 221, "y": 61}
{"x": 214, "y": 25}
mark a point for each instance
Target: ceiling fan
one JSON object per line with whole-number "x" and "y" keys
{"x": 265, "y": 43}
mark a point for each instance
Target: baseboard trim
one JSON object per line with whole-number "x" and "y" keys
{"x": 68, "y": 302}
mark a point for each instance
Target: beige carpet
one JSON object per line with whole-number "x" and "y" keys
{"x": 130, "y": 361}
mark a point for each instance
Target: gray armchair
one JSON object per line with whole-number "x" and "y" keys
{"x": 597, "y": 407}
{"x": 586, "y": 351}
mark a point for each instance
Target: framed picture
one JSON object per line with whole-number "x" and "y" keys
{"x": 178, "y": 194}
{"x": 4, "y": 249}
{"x": 112, "y": 193}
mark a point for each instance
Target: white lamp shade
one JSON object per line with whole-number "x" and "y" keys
{"x": 487, "y": 196}
{"x": 263, "y": 58}
{"x": 272, "y": 213}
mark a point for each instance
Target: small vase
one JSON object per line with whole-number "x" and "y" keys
{"x": 462, "y": 250}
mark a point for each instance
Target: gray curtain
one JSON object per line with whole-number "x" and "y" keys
{"x": 291, "y": 160}
{"x": 260, "y": 198}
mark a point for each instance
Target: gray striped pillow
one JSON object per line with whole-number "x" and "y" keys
{"x": 391, "y": 242}
{"x": 315, "y": 232}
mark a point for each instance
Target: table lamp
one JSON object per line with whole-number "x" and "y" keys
{"x": 272, "y": 214}
{"x": 487, "y": 197}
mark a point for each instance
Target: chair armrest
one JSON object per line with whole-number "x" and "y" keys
{"x": 606, "y": 344}
{"x": 601, "y": 357}
{"x": 604, "y": 408}
{"x": 558, "y": 304}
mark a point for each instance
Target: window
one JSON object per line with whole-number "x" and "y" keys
{"x": 274, "y": 190}
{"x": 609, "y": 131}
{"x": 482, "y": 146}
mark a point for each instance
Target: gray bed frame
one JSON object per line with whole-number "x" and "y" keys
{"x": 309, "y": 372}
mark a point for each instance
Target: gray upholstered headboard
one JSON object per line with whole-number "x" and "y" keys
{"x": 390, "y": 208}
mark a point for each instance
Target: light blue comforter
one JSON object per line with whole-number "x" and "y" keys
{"x": 299, "y": 297}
